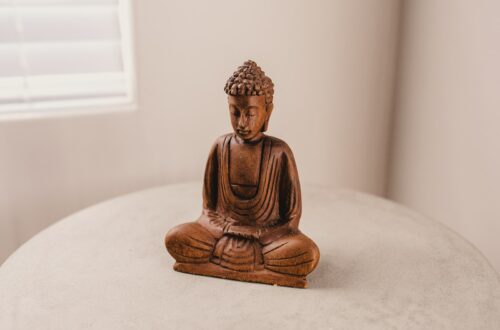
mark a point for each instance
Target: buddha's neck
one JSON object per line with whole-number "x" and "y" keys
{"x": 254, "y": 140}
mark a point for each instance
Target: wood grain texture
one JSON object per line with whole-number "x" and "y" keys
{"x": 249, "y": 226}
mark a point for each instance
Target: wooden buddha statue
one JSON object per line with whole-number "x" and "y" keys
{"x": 248, "y": 229}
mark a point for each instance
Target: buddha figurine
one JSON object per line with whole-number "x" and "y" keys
{"x": 248, "y": 229}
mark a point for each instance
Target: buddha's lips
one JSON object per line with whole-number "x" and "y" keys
{"x": 242, "y": 132}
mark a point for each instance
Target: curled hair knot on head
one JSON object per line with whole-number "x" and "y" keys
{"x": 250, "y": 80}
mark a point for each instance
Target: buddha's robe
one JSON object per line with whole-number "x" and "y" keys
{"x": 269, "y": 219}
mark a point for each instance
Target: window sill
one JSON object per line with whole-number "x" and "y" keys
{"x": 69, "y": 109}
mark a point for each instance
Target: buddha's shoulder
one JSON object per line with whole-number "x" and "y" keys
{"x": 223, "y": 138}
{"x": 279, "y": 145}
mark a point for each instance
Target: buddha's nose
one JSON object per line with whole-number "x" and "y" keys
{"x": 242, "y": 122}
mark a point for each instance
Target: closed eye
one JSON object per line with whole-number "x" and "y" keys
{"x": 234, "y": 111}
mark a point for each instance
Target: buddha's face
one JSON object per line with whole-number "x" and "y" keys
{"x": 248, "y": 115}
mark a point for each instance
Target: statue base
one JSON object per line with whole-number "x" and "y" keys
{"x": 261, "y": 276}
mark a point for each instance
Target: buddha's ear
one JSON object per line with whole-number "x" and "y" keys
{"x": 269, "y": 110}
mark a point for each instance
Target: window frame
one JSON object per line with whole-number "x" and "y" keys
{"x": 90, "y": 106}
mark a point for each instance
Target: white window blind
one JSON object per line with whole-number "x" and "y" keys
{"x": 65, "y": 54}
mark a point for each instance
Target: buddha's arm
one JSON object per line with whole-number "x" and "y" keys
{"x": 209, "y": 217}
{"x": 290, "y": 200}
{"x": 210, "y": 180}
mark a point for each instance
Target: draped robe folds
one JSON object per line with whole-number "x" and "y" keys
{"x": 270, "y": 218}
{"x": 277, "y": 202}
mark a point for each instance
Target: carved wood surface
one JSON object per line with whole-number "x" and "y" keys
{"x": 249, "y": 226}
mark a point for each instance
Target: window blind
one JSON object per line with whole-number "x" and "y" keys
{"x": 64, "y": 54}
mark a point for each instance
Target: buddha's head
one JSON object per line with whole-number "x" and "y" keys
{"x": 250, "y": 97}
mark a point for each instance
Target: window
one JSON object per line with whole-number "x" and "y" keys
{"x": 65, "y": 55}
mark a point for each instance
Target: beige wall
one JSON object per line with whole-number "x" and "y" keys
{"x": 332, "y": 63}
{"x": 446, "y": 156}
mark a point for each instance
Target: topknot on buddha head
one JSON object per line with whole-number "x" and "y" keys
{"x": 250, "y": 80}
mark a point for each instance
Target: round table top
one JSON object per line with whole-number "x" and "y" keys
{"x": 382, "y": 267}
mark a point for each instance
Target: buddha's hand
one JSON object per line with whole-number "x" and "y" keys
{"x": 243, "y": 231}
{"x": 214, "y": 223}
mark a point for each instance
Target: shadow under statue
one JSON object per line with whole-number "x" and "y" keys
{"x": 248, "y": 229}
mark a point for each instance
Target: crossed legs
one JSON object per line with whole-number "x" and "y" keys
{"x": 294, "y": 254}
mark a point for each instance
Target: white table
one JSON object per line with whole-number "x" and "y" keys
{"x": 382, "y": 267}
